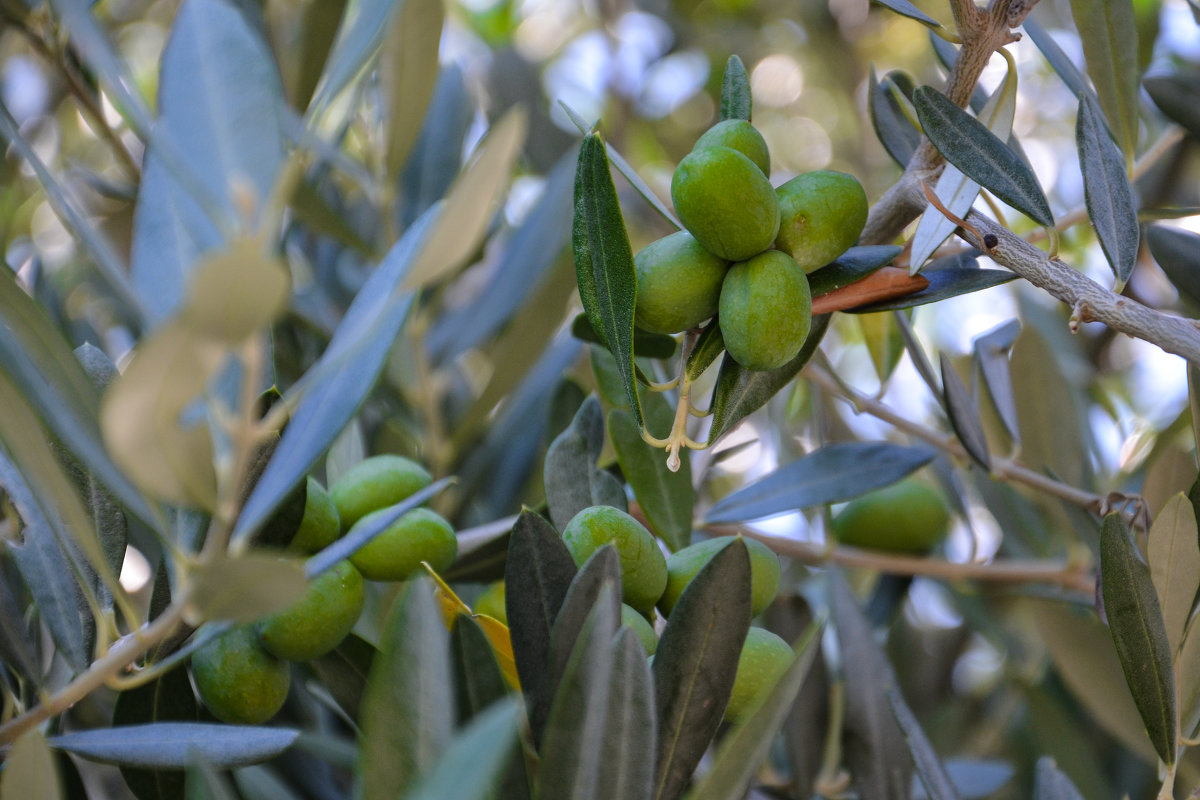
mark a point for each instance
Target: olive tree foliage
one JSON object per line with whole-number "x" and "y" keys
{"x": 306, "y": 233}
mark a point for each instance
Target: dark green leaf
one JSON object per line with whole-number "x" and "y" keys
{"x": 851, "y": 266}
{"x": 309, "y": 50}
{"x": 408, "y": 706}
{"x": 943, "y": 283}
{"x": 929, "y": 766}
{"x": 477, "y": 676}
{"x": 736, "y": 102}
{"x": 344, "y": 671}
{"x": 472, "y": 764}
{"x": 1051, "y": 783}
{"x": 892, "y": 126}
{"x": 570, "y": 752}
{"x": 808, "y": 720}
{"x": 991, "y": 353}
{"x": 1108, "y": 32}
{"x": 832, "y": 474}
{"x": 17, "y": 645}
{"x": 907, "y": 9}
{"x": 1178, "y": 96}
{"x": 537, "y": 576}
{"x": 1059, "y": 60}
{"x": 1178, "y": 253}
{"x": 573, "y": 479}
{"x": 167, "y": 699}
{"x": 29, "y": 769}
{"x": 744, "y": 750}
{"x": 980, "y": 155}
{"x": 695, "y": 664}
{"x": 1136, "y": 623}
{"x": 739, "y": 391}
{"x": 598, "y": 581}
{"x": 340, "y": 381}
{"x": 174, "y": 745}
{"x": 1110, "y": 201}
{"x": 665, "y": 497}
{"x": 645, "y": 344}
{"x": 604, "y": 261}
{"x": 964, "y": 417}
{"x": 872, "y": 741}
{"x": 709, "y": 345}
{"x": 630, "y": 732}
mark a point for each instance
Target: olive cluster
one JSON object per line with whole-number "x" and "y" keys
{"x": 243, "y": 676}
{"x": 747, "y": 247}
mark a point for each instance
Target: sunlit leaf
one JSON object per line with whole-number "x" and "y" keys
{"x": 832, "y": 474}
{"x": 358, "y": 40}
{"x": 970, "y": 146}
{"x": 244, "y": 588}
{"x": 1108, "y": 32}
{"x": 1136, "y": 623}
{"x": 964, "y": 415}
{"x": 408, "y": 67}
{"x": 1110, "y": 201}
{"x": 29, "y": 769}
{"x": 907, "y": 9}
{"x": 884, "y": 342}
{"x": 1174, "y": 558}
{"x": 736, "y": 102}
{"x": 174, "y": 745}
{"x": 666, "y": 498}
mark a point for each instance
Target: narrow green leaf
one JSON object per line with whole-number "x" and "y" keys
{"x": 573, "y": 479}
{"x": 893, "y": 128}
{"x": 929, "y": 766}
{"x": 964, "y": 415}
{"x": 571, "y": 746}
{"x": 471, "y": 766}
{"x": 807, "y": 721}
{"x": 1051, "y": 783}
{"x": 992, "y": 354}
{"x": 358, "y": 39}
{"x": 851, "y": 266}
{"x": 666, "y": 498}
{"x": 244, "y": 588}
{"x": 872, "y": 742}
{"x": 167, "y": 699}
{"x": 740, "y": 392}
{"x": 943, "y": 284}
{"x": 884, "y": 341}
{"x": 1108, "y": 32}
{"x": 408, "y": 707}
{"x": 743, "y": 751}
{"x": 1136, "y": 623}
{"x": 736, "y": 102}
{"x": 1178, "y": 97}
{"x": 537, "y": 576}
{"x": 631, "y": 730}
{"x": 645, "y": 344}
{"x": 344, "y": 672}
{"x": 174, "y": 745}
{"x": 598, "y": 581}
{"x": 1187, "y": 676}
{"x": 695, "y": 665}
{"x": 29, "y": 770}
{"x": 408, "y": 67}
{"x": 1110, "y": 201}
{"x": 17, "y": 644}
{"x": 708, "y": 347}
{"x": 1174, "y": 557}
{"x": 907, "y": 9}
{"x": 1178, "y": 253}
{"x": 604, "y": 262}
{"x": 833, "y": 474}
{"x": 981, "y": 156}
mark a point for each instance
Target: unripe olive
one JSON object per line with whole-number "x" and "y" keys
{"x": 238, "y": 680}
{"x": 683, "y": 565}
{"x": 643, "y": 566}
{"x": 318, "y": 621}
{"x": 374, "y": 483}
{"x": 420, "y": 535}
{"x": 726, "y": 202}
{"x": 909, "y": 516}
{"x": 678, "y": 284}
{"x": 320, "y": 526}
{"x": 764, "y": 659}
{"x": 821, "y": 216}
{"x": 632, "y": 618}
{"x": 491, "y": 602}
{"x": 765, "y": 310}
{"x": 741, "y": 136}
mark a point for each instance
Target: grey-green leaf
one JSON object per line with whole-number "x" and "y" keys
{"x": 736, "y": 102}
{"x": 893, "y": 128}
{"x": 740, "y": 392}
{"x": 929, "y": 767}
{"x": 573, "y": 479}
{"x": 174, "y": 745}
{"x": 943, "y": 284}
{"x": 1051, "y": 783}
{"x": 167, "y": 699}
{"x": 408, "y": 708}
{"x": 1108, "y": 32}
{"x": 964, "y": 417}
{"x": 598, "y": 581}
{"x": 832, "y": 474}
{"x": 1110, "y": 201}
{"x": 665, "y": 497}
{"x": 992, "y": 354}
{"x": 695, "y": 665}
{"x": 980, "y": 155}
{"x": 1174, "y": 557}
{"x": 471, "y": 765}
{"x": 853, "y": 265}
{"x": 631, "y": 730}
{"x": 478, "y": 680}
{"x": 907, "y": 9}
{"x": 604, "y": 261}
{"x": 1178, "y": 96}
{"x": 1178, "y": 253}
{"x": 1135, "y": 621}
{"x": 744, "y": 750}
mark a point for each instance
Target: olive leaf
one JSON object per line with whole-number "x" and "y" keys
{"x": 1178, "y": 96}
{"x": 666, "y": 498}
{"x": 573, "y": 478}
{"x": 943, "y": 284}
{"x": 174, "y": 745}
{"x": 1110, "y": 201}
{"x": 929, "y": 767}
{"x": 1178, "y": 253}
{"x": 1108, "y": 32}
{"x": 29, "y": 768}
{"x": 735, "y": 91}
{"x": 1174, "y": 565}
{"x": 893, "y": 128}
{"x": 851, "y": 266}
{"x": 1059, "y": 61}
{"x": 992, "y": 355}
{"x": 1051, "y": 783}
{"x": 964, "y": 416}
{"x": 907, "y": 9}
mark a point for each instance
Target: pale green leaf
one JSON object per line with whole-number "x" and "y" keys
{"x": 29, "y": 772}
{"x": 1108, "y": 31}
{"x": 408, "y": 66}
{"x": 244, "y": 588}
{"x": 1174, "y": 558}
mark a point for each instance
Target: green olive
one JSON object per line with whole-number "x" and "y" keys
{"x": 420, "y": 535}
{"x": 765, "y": 310}
{"x": 726, "y": 202}
{"x": 684, "y": 564}
{"x": 318, "y": 621}
{"x": 764, "y": 659}
{"x": 678, "y": 284}
{"x": 320, "y": 526}
{"x": 643, "y": 566}
{"x": 374, "y": 483}
{"x": 238, "y": 680}
{"x": 821, "y": 216}
{"x": 741, "y": 136}
{"x": 909, "y": 516}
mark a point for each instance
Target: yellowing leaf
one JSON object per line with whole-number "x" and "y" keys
{"x": 451, "y": 606}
